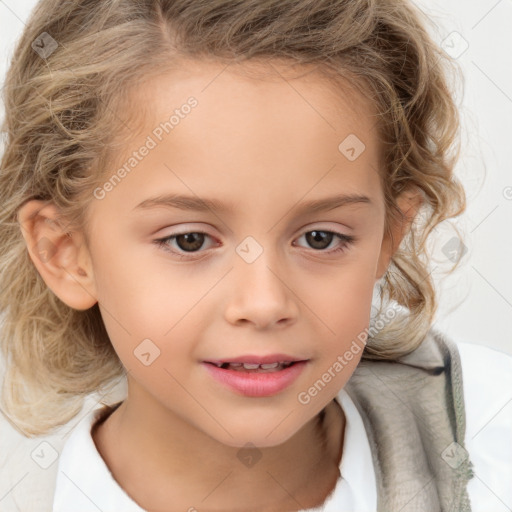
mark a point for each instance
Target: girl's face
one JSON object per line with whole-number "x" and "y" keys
{"x": 263, "y": 276}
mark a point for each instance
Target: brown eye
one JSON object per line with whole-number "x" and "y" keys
{"x": 319, "y": 239}
{"x": 190, "y": 242}
{"x": 183, "y": 243}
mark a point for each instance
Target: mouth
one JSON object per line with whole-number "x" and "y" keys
{"x": 276, "y": 366}
{"x": 257, "y": 376}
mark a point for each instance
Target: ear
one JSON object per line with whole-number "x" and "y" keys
{"x": 61, "y": 257}
{"x": 409, "y": 202}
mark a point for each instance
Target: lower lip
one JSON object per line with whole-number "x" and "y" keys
{"x": 257, "y": 384}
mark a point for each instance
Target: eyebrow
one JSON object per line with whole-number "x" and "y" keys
{"x": 194, "y": 203}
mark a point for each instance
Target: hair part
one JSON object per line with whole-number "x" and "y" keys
{"x": 63, "y": 128}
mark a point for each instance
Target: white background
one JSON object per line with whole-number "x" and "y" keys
{"x": 476, "y": 301}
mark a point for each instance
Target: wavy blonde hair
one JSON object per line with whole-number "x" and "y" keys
{"x": 61, "y": 114}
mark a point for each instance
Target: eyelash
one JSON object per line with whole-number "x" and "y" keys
{"x": 346, "y": 242}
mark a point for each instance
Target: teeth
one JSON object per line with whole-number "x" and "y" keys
{"x": 251, "y": 366}
{"x": 269, "y": 366}
{"x": 254, "y": 366}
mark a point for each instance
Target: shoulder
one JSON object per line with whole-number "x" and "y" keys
{"x": 29, "y": 465}
{"x": 487, "y": 383}
{"x": 83, "y": 476}
{"x": 73, "y": 484}
{"x": 485, "y": 359}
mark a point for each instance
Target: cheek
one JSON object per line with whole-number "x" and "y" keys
{"x": 348, "y": 320}
{"x": 152, "y": 318}
{"x": 341, "y": 299}
{"x": 343, "y": 308}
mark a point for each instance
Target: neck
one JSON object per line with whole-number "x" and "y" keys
{"x": 166, "y": 462}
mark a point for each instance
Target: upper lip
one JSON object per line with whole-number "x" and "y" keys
{"x": 255, "y": 359}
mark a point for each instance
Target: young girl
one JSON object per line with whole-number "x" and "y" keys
{"x": 203, "y": 200}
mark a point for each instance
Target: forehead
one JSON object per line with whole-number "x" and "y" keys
{"x": 259, "y": 127}
{"x": 278, "y": 89}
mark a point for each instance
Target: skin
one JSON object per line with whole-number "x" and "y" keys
{"x": 264, "y": 146}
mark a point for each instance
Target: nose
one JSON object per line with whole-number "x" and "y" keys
{"x": 259, "y": 294}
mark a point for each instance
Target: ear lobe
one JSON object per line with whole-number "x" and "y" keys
{"x": 409, "y": 203}
{"x": 60, "y": 257}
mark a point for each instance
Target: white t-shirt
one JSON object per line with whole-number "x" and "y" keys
{"x": 85, "y": 484}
